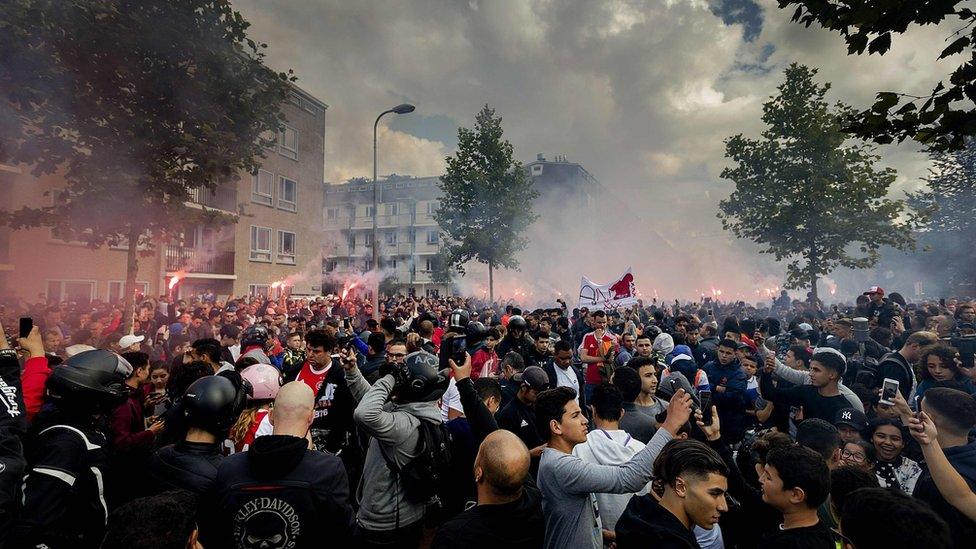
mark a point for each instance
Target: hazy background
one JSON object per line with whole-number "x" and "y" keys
{"x": 642, "y": 94}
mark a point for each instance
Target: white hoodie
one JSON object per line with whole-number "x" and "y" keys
{"x": 610, "y": 448}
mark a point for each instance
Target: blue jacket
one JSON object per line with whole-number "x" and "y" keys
{"x": 731, "y": 403}
{"x": 963, "y": 460}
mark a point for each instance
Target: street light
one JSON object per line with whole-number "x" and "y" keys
{"x": 403, "y": 108}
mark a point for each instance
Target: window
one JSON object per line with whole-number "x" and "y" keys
{"x": 287, "y": 194}
{"x": 71, "y": 290}
{"x": 330, "y": 266}
{"x": 391, "y": 208}
{"x": 391, "y": 238}
{"x": 263, "y": 187}
{"x": 427, "y": 265}
{"x": 288, "y": 142}
{"x": 432, "y": 207}
{"x": 352, "y": 243}
{"x": 286, "y": 247}
{"x": 368, "y": 265}
{"x": 332, "y": 214}
{"x": 393, "y": 263}
{"x": 369, "y": 212}
{"x": 432, "y": 237}
{"x": 115, "y": 290}
{"x": 260, "y": 244}
{"x": 258, "y": 290}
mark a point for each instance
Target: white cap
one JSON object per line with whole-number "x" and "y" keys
{"x": 130, "y": 340}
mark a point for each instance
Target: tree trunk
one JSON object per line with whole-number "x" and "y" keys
{"x": 491, "y": 282}
{"x": 812, "y": 266}
{"x": 131, "y": 273}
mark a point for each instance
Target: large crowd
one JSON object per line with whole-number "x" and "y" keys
{"x": 452, "y": 422}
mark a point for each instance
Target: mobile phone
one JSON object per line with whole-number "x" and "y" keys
{"x": 888, "y": 389}
{"x": 459, "y": 346}
{"x": 26, "y": 325}
{"x": 711, "y": 313}
{"x": 705, "y": 397}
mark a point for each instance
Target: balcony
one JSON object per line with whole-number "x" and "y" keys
{"x": 193, "y": 260}
{"x": 339, "y": 222}
{"x": 424, "y": 218}
{"x": 223, "y": 197}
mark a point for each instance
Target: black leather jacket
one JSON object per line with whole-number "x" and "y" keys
{"x": 187, "y": 466}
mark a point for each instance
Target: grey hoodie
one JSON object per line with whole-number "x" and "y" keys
{"x": 393, "y": 429}
{"x": 610, "y": 448}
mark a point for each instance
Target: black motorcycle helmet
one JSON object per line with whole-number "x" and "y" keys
{"x": 458, "y": 320}
{"x": 475, "y": 332}
{"x": 425, "y": 382}
{"x": 517, "y": 322}
{"x": 255, "y": 334}
{"x": 91, "y": 381}
{"x": 213, "y": 403}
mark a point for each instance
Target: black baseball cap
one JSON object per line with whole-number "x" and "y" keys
{"x": 535, "y": 377}
{"x": 852, "y": 417}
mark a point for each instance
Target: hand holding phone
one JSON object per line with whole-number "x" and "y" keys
{"x": 889, "y": 387}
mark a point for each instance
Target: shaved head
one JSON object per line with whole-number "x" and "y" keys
{"x": 292, "y": 410}
{"x": 502, "y": 463}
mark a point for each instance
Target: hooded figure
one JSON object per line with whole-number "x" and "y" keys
{"x": 613, "y": 448}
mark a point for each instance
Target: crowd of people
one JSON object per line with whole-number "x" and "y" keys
{"x": 449, "y": 422}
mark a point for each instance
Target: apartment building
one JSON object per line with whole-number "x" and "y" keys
{"x": 275, "y": 241}
{"x": 409, "y": 237}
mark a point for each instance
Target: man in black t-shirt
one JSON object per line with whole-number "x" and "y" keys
{"x": 505, "y": 490}
{"x": 822, "y": 398}
{"x": 796, "y": 481}
{"x": 518, "y": 416}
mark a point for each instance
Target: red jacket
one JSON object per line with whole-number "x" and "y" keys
{"x": 129, "y": 425}
{"x": 32, "y": 382}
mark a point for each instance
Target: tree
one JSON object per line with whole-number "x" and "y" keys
{"x": 804, "y": 195}
{"x": 487, "y": 199}
{"x": 137, "y": 103}
{"x": 939, "y": 120}
{"x": 949, "y": 228}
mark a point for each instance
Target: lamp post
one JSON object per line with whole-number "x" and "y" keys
{"x": 399, "y": 109}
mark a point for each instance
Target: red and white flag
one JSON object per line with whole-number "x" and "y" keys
{"x": 619, "y": 293}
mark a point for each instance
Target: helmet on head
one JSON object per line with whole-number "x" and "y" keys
{"x": 255, "y": 334}
{"x": 213, "y": 403}
{"x": 475, "y": 332}
{"x": 458, "y": 320}
{"x": 91, "y": 381}
{"x": 517, "y": 322}
{"x": 425, "y": 383}
{"x": 265, "y": 381}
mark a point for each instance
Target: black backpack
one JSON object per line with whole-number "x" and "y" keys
{"x": 425, "y": 476}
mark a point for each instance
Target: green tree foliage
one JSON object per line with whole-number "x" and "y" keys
{"x": 950, "y": 227}
{"x": 939, "y": 120}
{"x": 804, "y": 195}
{"x": 487, "y": 199}
{"x": 137, "y": 103}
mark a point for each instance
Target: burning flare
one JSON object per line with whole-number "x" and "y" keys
{"x": 175, "y": 279}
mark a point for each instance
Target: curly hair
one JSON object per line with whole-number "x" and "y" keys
{"x": 947, "y": 355}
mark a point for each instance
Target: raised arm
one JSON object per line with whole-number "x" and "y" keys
{"x": 949, "y": 482}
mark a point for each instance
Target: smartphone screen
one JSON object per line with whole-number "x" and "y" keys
{"x": 26, "y": 325}
{"x": 706, "y": 406}
{"x": 888, "y": 389}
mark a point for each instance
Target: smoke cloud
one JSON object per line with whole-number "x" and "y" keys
{"x": 641, "y": 93}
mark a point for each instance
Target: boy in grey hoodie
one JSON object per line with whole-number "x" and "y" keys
{"x": 609, "y": 445}
{"x": 390, "y": 412}
{"x": 566, "y": 481}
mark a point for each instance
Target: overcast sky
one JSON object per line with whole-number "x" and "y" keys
{"x": 642, "y": 94}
